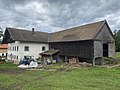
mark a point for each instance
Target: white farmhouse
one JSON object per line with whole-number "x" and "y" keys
{"x": 24, "y": 43}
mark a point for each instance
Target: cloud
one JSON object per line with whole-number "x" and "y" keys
{"x": 54, "y": 15}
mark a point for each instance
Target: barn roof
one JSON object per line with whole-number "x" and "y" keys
{"x": 84, "y": 32}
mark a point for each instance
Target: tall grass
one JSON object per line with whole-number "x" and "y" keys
{"x": 117, "y": 55}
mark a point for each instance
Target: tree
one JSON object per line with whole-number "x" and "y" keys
{"x": 117, "y": 40}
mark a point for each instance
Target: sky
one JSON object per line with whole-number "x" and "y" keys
{"x": 56, "y": 15}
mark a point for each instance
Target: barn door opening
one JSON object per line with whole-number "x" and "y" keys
{"x": 105, "y": 50}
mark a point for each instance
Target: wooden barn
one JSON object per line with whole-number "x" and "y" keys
{"x": 86, "y": 42}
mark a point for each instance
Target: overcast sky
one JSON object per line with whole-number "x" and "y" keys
{"x": 55, "y": 15}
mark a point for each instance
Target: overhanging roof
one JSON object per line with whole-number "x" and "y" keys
{"x": 50, "y": 52}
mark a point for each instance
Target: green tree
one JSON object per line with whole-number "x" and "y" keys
{"x": 117, "y": 40}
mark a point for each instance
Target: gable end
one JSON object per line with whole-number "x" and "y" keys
{"x": 105, "y": 26}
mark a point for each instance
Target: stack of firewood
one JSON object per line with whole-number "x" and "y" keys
{"x": 72, "y": 61}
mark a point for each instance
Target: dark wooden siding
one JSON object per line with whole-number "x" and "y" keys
{"x": 82, "y": 49}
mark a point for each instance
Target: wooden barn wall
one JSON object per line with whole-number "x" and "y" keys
{"x": 98, "y": 52}
{"x": 104, "y": 36}
{"x": 111, "y": 49}
{"x": 82, "y": 49}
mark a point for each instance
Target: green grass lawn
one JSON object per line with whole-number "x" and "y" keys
{"x": 91, "y": 78}
{"x": 117, "y": 55}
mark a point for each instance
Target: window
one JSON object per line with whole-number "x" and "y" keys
{"x": 17, "y": 57}
{"x": 13, "y": 48}
{"x": 43, "y": 48}
{"x": 26, "y": 48}
{"x": 10, "y": 49}
{"x": 17, "y": 48}
{"x": 14, "y": 56}
{"x": 2, "y": 54}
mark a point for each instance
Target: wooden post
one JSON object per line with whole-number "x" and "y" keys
{"x": 51, "y": 57}
{"x": 57, "y": 55}
{"x": 93, "y": 61}
{"x": 66, "y": 59}
{"x": 77, "y": 60}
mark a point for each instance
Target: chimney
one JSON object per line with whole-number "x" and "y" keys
{"x": 33, "y": 30}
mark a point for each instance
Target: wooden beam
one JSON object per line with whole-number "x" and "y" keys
{"x": 93, "y": 61}
{"x": 66, "y": 59}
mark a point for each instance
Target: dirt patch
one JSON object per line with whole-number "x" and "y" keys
{"x": 18, "y": 88}
{"x": 111, "y": 66}
{"x": 61, "y": 69}
{"x": 39, "y": 78}
{"x": 11, "y": 71}
{"x": 78, "y": 65}
{"x": 2, "y": 88}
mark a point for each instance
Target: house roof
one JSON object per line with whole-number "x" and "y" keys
{"x": 3, "y": 46}
{"x": 84, "y": 32}
{"x": 26, "y": 35}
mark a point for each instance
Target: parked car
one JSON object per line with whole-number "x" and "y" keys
{"x": 26, "y": 62}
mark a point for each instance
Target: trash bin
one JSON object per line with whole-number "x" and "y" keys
{"x": 56, "y": 60}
